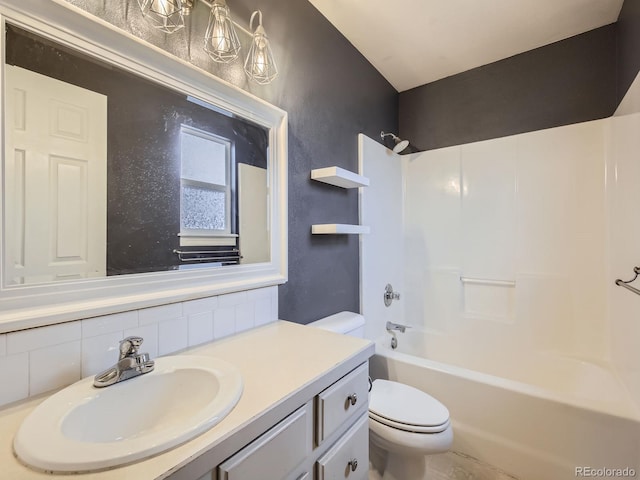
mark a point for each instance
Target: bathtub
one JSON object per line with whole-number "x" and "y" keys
{"x": 538, "y": 416}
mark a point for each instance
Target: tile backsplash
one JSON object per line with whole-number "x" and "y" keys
{"x": 47, "y": 358}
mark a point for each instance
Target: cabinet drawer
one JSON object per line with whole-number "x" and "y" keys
{"x": 349, "y": 457}
{"x": 276, "y": 453}
{"x": 341, "y": 401}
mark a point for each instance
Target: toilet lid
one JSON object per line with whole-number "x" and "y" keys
{"x": 409, "y": 428}
{"x": 396, "y": 405}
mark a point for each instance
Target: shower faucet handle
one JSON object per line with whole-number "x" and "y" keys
{"x": 390, "y": 295}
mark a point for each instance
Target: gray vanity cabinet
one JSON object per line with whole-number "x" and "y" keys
{"x": 327, "y": 438}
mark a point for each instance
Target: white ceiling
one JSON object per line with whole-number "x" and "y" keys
{"x": 413, "y": 42}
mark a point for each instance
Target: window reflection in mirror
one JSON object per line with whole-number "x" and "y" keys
{"x": 108, "y": 173}
{"x": 205, "y": 186}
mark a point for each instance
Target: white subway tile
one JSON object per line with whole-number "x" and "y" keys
{"x": 245, "y": 316}
{"x": 232, "y": 299}
{"x": 263, "y": 313}
{"x": 36, "y": 338}
{"x": 172, "y": 335}
{"x": 109, "y": 323}
{"x": 100, "y": 352}
{"x": 54, "y": 367}
{"x": 149, "y": 333}
{"x": 200, "y": 305}
{"x": 224, "y": 322}
{"x": 46, "y": 358}
{"x": 258, "y": 293}
{"x": 274, "y": 304}
{"x": 200, "y": 328}
{"x": 14, "y": 378}
{"x": 160, "y": 314}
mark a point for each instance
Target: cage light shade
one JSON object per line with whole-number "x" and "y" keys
{"x": 221, "y": 40}
{"x": 165, "y": 15}
{"x": 260, "y": 65}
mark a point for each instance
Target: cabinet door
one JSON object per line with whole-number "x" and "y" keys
{"x": 349, "y": 457}
{"x": 275, "y": 454}
{"x": 338, "y": 404}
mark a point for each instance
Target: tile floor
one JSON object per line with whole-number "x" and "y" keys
{"x": 456, "y": 466}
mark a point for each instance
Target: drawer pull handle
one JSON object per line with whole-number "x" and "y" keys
{"x": 353, "y": 464}
{"x": 353, "y": 399}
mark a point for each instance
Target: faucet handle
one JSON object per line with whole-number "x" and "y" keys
{"x": 390, "y": 295}
{"x": 129, "y": 346}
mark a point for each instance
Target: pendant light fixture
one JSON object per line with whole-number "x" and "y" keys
{"x": 260, "y": 65}
{"x": 221, "y": 40}
{"x": 165, "y": 15}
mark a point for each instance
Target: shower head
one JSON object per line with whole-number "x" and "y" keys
{"x": 400, "y": 145}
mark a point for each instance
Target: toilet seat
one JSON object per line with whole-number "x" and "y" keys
{"x": 406, "y": 408}
{"x": 409, "y": 428}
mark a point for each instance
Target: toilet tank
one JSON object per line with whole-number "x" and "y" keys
{"x": 347, "y": 323}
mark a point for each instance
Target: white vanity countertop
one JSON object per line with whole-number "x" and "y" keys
{"x": 283, "y": 365}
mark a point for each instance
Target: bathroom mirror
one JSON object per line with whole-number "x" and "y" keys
{"x": 130, "y": 178}
{"x": 142, "y": 178}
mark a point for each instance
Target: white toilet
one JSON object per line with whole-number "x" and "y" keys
{"x": 404, "y": 422}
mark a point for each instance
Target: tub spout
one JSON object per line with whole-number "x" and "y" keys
{"x": 396, "y": 326}
{"x": 392, "y": 328}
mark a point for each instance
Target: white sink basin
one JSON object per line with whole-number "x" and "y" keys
{"x": 83, "y": 428}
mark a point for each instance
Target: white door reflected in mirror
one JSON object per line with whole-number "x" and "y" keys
{"x": 56, "y": 188}
{"x": 254, "y": 216}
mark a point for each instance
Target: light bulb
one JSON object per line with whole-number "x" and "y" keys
{"x": 165, "y": 15}
{"x": 221, "y": 41}
{"x": 260, "y": 65}
{"x": 165, "y": 7}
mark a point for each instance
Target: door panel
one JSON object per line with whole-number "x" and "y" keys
{"x": 56, "y": 181}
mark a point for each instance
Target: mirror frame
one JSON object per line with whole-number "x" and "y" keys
{"x": 28, "y": 306}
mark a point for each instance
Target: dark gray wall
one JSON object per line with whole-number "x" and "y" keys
{"x": 331, "y": 93}
{"x": 628, "y": 52}
{"x": 570, "y": 81}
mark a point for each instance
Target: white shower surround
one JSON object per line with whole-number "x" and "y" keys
{"x": 553, "y": 211}
{"x": 528, "y": 209}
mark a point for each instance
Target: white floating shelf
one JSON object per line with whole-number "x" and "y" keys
{"x": 338, "y": 228}
{"x": 339, "y": 177}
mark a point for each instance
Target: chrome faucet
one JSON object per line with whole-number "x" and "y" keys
{"x": 392, "y": 328}
{"x": 130, "y": 364}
